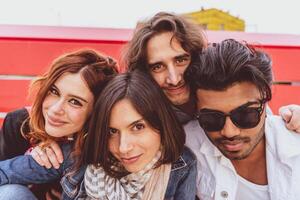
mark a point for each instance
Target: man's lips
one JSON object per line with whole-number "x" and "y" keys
{"x": 130, "y": 160}
{"x": 176, "y": 90}
{"x": 234, "y": 145}
{"x": 53, "y": 121}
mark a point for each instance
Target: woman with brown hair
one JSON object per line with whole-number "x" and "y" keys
{"x": 135, "y": 146}
{"x": 63, "y": 99}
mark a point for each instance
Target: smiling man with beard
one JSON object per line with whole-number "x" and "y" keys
{"x": 243, "y": 153}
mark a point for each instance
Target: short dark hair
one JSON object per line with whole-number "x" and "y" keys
{"x": 225, "y": 63}
{"x": 189, "y": 34}
{"x": 150, "y": 102}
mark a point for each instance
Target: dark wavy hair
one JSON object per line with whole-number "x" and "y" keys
{"x": 150, "y": 102}
{"x": 223, "y": 64}
{"x": 189, "y": 34}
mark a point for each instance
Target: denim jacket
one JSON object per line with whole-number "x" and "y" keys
{"x": 182, "y": 181}
{"x": 24, "y": 170}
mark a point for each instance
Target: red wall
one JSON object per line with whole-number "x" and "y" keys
{"x": 29, "y": 50}
{"x": 286, "y": 68}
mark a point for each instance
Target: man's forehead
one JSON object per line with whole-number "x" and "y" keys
{"x": 162, "y": 46}
{"x": 228, "y": 99}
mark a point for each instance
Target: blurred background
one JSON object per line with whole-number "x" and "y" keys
{"x": 34, "y": 32}
{"x": 263, "y": 16}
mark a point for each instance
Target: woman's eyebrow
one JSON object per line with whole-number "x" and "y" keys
{"x": 78, "y": 97}
{"x": 136, "y": 121}
{"x": 71, "y": 95}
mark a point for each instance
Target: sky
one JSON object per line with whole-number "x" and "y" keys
{"x": 261, "y": 16}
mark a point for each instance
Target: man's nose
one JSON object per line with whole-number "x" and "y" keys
{"x": 174, "y": 76}
{"x": 230, "y": 130}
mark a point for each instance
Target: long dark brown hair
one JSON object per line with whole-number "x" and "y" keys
{"x": 150, "y": 102}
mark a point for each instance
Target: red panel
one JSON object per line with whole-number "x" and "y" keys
{"x": 13, "y": 94}
{"x": 31, "y": 57}
{"x": 29, "y": 50}
{"x": 284, "y": 95}
{"x": 286, "y": 63}
{"x": 282, "y": 40}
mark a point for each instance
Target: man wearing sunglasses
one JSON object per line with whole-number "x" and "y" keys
{"x": 242, "y": 152}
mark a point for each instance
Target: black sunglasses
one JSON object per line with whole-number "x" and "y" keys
{"x": 243, "y": 117}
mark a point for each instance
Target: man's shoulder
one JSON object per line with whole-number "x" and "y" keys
{"x": 282, "y": 141}
{"x": 194, "y": 131}
{"x": 195, "y": 136}
{"x": 275, "y": 124}
{"x": 192, "y": 126}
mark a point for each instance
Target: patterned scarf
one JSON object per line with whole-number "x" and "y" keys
{"x": 99, "y": 185}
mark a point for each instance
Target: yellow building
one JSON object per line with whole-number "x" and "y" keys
{"x": 214, "y": 19}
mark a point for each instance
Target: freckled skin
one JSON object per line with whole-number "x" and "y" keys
{"x": 67, "y": 106}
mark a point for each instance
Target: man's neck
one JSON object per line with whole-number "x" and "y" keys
{"x": 189, "y": 107}
{"x": 254, "y": 168}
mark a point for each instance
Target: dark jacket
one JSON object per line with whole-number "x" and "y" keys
{"x": 12, "y": 143}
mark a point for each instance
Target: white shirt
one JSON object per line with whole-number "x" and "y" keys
{"x": 250, "y": 191}
{"x": 217, "y": 178}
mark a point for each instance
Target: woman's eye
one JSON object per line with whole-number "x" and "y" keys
{"x": 113, "y": 131}
{"x": 138, "y": 126}
{"x": 53, "y": 91}
{"x": 75, "y": 102}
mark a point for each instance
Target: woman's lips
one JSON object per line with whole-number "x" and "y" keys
{"x": 54, "y": 121}
{"x": 130, "y": 160}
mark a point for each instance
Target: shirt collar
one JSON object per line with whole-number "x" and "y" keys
{"x": 207, "y": 148}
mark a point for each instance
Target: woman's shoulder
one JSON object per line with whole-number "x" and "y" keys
{"x": 183, "y": 177}
{"x": 14, "y": 120}
{"x": 17, "y": 115}
{"x": 186, "y": 159}
{"x": 67, "y": 148}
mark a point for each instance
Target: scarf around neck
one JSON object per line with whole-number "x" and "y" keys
{"x": 99, "y": 185}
